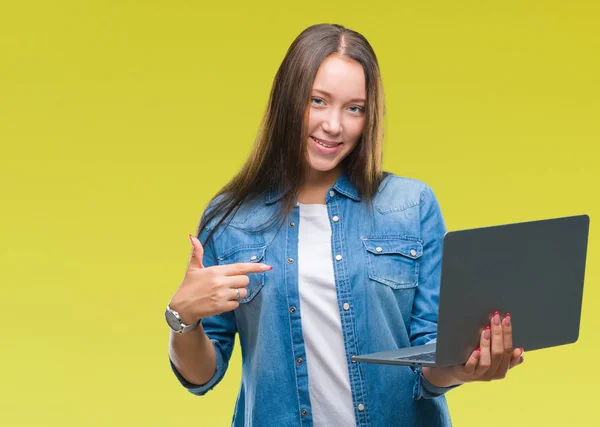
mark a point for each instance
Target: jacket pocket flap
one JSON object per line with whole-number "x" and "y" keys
{"x": 407, "y": 246}
{"x": 243, "y": 253}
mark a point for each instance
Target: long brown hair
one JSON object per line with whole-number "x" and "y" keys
{"x": 278, "y": 160}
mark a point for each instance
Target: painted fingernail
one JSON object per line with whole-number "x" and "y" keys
{"x": 479, "y": 349}
{"x": 496, "y": 318}
{"x": 191, "y": 240}
{"x": 487, "y": 333}
{"x": 507, "y": 319}
{"x": 266, "y": 267}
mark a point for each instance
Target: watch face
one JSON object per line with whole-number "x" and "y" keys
{"x": 173, "y": 321}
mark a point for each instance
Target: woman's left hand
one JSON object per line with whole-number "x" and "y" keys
{"x": 489, "y": 362}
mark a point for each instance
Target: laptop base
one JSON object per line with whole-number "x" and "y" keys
{"x": 421, "y": 355}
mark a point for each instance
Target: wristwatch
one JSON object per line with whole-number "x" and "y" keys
{"x": 174, "y": 321}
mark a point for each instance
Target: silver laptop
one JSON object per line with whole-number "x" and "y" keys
{"x": 533, "y": 270}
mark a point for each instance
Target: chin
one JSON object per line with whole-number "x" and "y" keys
{"x": 323, "y": 166}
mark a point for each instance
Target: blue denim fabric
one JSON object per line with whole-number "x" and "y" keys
{"x": 389, "y": 273}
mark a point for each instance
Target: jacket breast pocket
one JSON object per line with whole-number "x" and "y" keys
{"x": 247, "y": 253}
{"x": 393, "y": 260}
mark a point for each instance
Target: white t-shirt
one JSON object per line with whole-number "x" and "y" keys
{"x": 328, "y": 379}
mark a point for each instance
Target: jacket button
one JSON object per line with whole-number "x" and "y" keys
{"x": 299, "y": 361}
{"x": 346, "y": 306}
{"x": 290, "y": 260}
{"x": 304, "y": 412}
{"x": 378, "y": 249}
{"x": 361, "y": 407}
{"x": 292, "y": 309}
{"x": 291, "y": 224}
{"x": 335, "y": 218}
{"x": 338, "y": 257}
{"x": 413, "y": 252}
{"x": 331, "y": 193}
{"x": 253, "y": 257}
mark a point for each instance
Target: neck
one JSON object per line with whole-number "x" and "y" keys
{"x": 313, "y": 190}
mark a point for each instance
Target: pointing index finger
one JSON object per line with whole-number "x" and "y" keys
{"x": 244, "y": 268}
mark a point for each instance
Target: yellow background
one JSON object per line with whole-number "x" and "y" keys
{"x": 119, "y": 119}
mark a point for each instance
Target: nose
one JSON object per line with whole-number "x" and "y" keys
{"x": 332, "y": 124}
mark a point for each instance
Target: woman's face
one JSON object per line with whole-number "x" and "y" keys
{"x": 336, "y": 115}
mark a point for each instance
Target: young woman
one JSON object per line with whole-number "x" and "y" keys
{"x": 313, "y": 254}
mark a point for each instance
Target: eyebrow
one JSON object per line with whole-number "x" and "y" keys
{"x": 329, "y": 95}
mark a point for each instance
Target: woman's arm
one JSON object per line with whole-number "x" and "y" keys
{"x": 199, "y": 358}
{"x": 193, "y": 355}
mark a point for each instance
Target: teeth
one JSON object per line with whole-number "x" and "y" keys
{"x": 324, "y": 145}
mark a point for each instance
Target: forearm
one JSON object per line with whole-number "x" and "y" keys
{"x": 193, "y": 354}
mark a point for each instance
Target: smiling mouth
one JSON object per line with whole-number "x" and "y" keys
{"x": 324, "y": 144}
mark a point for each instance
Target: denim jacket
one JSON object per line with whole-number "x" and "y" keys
{"x": 387, "y": 265}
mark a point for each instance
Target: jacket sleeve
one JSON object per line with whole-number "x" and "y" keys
{"x": 423, "y": 329}
{"x": 221, "y": 330}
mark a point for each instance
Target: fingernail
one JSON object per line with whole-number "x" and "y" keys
{"x": 479, "y": 349}
{"x": 266, "y": 267}
{"x": 496, "y": 318}
{"x": 487, "y": 333}
{"x": 522, "y": 351}
{"x": 507, "y": 319}
{"x": 191, "y": 240}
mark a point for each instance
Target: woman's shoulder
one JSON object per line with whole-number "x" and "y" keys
{"x": 397, "y": 193}
{"x": 249, "y": 211}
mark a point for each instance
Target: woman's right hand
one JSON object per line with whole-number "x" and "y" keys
{"x": 205, "y": 292}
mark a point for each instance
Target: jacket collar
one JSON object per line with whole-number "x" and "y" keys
{"x": 343, "y": 185}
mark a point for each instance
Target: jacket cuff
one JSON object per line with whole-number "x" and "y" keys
{"x": 423, "y": 389}
{"x": 200, "y": 390}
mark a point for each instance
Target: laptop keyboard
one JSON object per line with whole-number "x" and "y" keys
{"x": 425, "y": 357}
